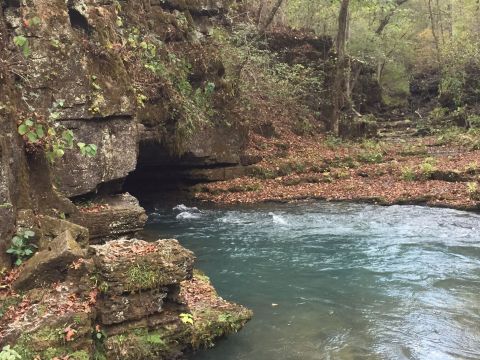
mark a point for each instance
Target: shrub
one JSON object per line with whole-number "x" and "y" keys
{"x": 438, "y": 114}
{"x": 473, "y": 121}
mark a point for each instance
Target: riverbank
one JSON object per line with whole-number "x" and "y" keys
{"x": 441, "y": 170}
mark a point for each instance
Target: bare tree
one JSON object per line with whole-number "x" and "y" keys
{"x": 434, "y": 30}
{"x": 259, "y": 12}
{"x": 271, "y": 16}
{"x": 386, "y": 19}
{"x": 340, "y": 71}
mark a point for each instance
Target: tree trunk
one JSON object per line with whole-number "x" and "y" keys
{"x": 259, "y": 12}
{"x": 271, "y": 16}
{"x": 384, "y": 22}
{"x": 434, "y": 31}
{"x": 440, "y": 22}
{"x": 340, "y": 74}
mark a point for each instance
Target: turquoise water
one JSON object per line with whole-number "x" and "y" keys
{"x": 339, "y": 281}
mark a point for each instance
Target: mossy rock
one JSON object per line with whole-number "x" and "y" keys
{"x": 50, "y": 340}
{"x": 136, "y": 265}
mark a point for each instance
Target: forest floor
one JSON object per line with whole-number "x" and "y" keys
{"x": 441, "y": 170}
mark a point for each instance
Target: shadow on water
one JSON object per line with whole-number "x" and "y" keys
{"x": 351, "y": 281}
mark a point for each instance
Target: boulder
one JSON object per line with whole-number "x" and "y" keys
{"x": 51, "y": 228}
{"x": 110, "y": 217}
{"x": 128, "y": 266}
{"x": 50, "y": 265}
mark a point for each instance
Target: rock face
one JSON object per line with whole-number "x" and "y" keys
{"x": 120, "y": 75}
{"x": 116, "y": 138}
{"x": 140, "y": 300}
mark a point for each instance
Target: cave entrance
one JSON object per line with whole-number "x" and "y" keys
{"x": 160, "y": 176}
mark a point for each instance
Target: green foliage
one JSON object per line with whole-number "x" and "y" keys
{"x": 186, "y": 318}
{"x": 20, "y": 247}
{"x": 472, "y": 168}
{"x": 370, "y": 157}
{"x": 245, "y": 188}
{"x": 408, "y": 174}
{"x": 303, "y": 126}
{"x": 8, "y": 353}
{"x": 413, "y": 150}
{"x": 255, "y": 77}
{"x": 33, "y": 131}
{"x": 89, "y": 150}
{"x": 262, "y": 173}
{"x": 461, "y": 137}
{"x": 473, "y": 191}
{"x": 438, "y": 114}
{"x": 333, "y": 142}
{"x": 22, "y": 42}
{"x": 99, "y": 336}
{"x": 473, "y": 121}
{"x": 427, "y": 168}
{"x": 52, "y": 136}
{"x": 156, "y": 69}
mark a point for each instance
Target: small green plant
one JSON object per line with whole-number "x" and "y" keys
{"x": 333, "y": 142}
{"x": 141, "y": 276}
{"x": 22, "y": 42}
{"x": 32, "y": 130}
{"x": 186, "y": 318}
{"x": 99, "y": 335}
{"x": 8, "y": 353}
{"x": 472, "y": 168}
{"x": 20, "y": 247}
{"x": 427, "y": 168}
{"x": 473, "y": 191}
{"x": 473, "y": 121}
{"x": 370, "y": 157}
{"x": 89, "y": 150}
{"x": 408, "y": 174}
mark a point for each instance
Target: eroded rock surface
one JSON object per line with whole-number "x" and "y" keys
{"x": 109, "y": 217}
{"x": 155, "y": 313}
{"x": 50, "y": 265}
{"x": 127, "y": 266}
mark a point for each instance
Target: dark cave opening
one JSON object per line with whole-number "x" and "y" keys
{"x": 160, "y": 176}
{"x": 78, "y": 21}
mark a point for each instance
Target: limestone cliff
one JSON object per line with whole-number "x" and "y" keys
{"x": 88, "y": 89}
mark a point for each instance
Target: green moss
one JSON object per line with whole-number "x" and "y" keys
{"x": 8, "y": 302}
{"x": 210, "y": 324}
{"x": 138, "y": 344}
{"x": 79, "y": 355}
{"x": 142, "y": 276}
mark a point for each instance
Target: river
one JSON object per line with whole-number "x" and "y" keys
{"x": 338, "y": 280}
